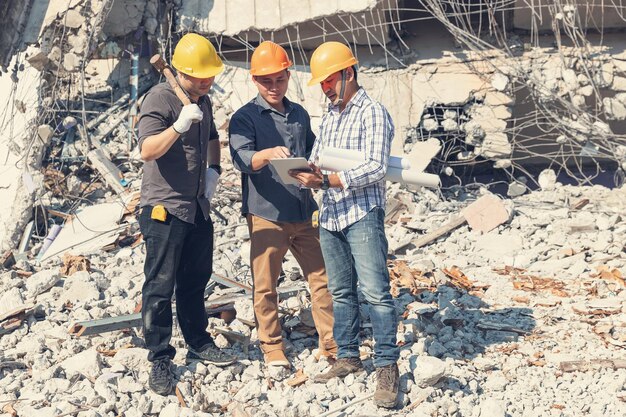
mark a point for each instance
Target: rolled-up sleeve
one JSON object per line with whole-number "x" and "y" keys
{"x": 378, "y": 130}
{"x": 241, "y": 140}
{"x": 154, "y": 117}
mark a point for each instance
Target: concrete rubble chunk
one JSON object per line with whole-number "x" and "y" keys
{"x": 131, "y": 358}
{"x": 80, "y": 288}
{"x": 41, "y": 282}
{"x": 428, "y": 371}
{"x": 87, "y": 363}
{"x": 71, "y": 62}
{"x": 73, "y": 19}
{"x": 10, "y": 300}
{"x": 38, "y": 60}
{"x": 500, "y": 81}
{"x": 516, "y": 189}
{"x": 492, "y": 408}
{"x": 614, "y": 109}
{"x": 547, "y": 179}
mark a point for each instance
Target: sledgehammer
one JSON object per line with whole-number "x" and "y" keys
{"x": 161, "y": 66}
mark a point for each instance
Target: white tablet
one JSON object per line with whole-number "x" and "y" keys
{"x": 284, "y": 165}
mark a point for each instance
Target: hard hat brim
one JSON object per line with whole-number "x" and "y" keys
{"x": 272, "y": 70}
{"x": 212, "y": 72}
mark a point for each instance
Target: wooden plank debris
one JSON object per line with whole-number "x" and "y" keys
{"x": 483, "y": 215}
{"x": 180, "y": 398}
{"x": 579, "y": 204}
{"x": 439, "y": 232}
{"x": 230, "y": 283}
{"x": 592, "y": 365}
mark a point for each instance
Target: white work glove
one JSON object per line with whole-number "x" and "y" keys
{"x": 210, "y": 183}
{"x": 189, "y": 114}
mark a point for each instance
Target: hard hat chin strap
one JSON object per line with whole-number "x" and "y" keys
{"x": 342, "y": 91}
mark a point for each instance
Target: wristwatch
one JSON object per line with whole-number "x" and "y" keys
{"x": 325, "y": 182}
{"x": 217, "y": 168}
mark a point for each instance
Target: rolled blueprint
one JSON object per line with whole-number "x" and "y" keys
{"x": 354, "y": 155}
{"x": 333, "y": 159}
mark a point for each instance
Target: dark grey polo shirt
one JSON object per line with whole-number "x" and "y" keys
{"x": 257, "y": 126}
{"x": 176, "y": 180}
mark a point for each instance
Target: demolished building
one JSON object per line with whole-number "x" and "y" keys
{"x": 506, "y": 87}
{"x": 498, "y": 86}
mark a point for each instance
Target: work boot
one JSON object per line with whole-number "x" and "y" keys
{"x": 276, "y": 358}
{"x": 340, "y": 369}
{"x": 328, "y": 351}
{"x": 161, "y": 379}
{"x": 210, "y": 354}
{"x": 386, "y": 394}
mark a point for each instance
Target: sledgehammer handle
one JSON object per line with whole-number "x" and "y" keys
{"x": 161, "y": 66}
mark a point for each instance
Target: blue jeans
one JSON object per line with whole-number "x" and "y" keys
{"x": 358, "y": 253}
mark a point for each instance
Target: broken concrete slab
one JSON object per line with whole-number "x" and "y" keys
{"x": 89, "y": 229}
{"x": 486, "y": 213}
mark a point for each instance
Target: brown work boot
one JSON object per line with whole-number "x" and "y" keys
{"x": 277, "y": 358}
{"x": 386, "y": 394}
{"x": 341, "y": 368}
{"x": 328, "y": 351}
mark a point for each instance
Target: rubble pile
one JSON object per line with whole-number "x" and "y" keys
{"x": 526, "y": 319}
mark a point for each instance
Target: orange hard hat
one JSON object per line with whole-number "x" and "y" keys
{"x": 329, "y": 58}
{"x": 269, "y": 58}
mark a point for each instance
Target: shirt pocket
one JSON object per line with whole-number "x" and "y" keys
{"x": 297, "y": 141}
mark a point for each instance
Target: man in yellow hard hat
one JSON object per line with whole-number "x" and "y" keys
{"x": 177, "y": 144}
{"x": 352, "y": 231}
{"x": 279, "y": 215}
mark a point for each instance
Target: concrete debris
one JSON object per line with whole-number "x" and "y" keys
{"x": 457, "y": 332}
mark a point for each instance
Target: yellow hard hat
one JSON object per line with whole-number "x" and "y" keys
{"x": 269, "y": 58}
{"x": 195, "y": 55}
{"x": 329, "y": 58}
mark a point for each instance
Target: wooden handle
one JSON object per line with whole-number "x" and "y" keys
{"x": 160, "y": 65}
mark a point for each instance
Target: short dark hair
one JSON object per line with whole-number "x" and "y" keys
{"x": 355, "y": 72}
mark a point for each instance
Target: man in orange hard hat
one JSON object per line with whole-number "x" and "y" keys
{"x": 352, "y": 231}
{"x": 177, "y": 144}
{"x": 279, "y": 215}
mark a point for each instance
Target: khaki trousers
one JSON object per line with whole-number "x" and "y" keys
{"x": 269, "y": 244}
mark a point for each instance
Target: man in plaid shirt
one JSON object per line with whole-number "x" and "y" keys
{"x": 352, "y": 217}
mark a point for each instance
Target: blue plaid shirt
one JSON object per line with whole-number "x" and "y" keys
{"x": 364, "y": 125}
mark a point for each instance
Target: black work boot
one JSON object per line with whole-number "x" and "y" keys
{"x": 340, "y": 369}
{"x": 386, "y": 394}
{"x": 210, "y": 354}
{"x": 161, "y": 380}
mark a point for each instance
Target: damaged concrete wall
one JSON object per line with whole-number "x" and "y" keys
{"x": 594, "y": 14}
{"x": 126, "y": 16}
{"x": 309, "y": 22}
{"x": 14, "y": 15}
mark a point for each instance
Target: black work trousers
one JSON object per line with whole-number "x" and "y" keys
{"x": 179, "y": 257}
